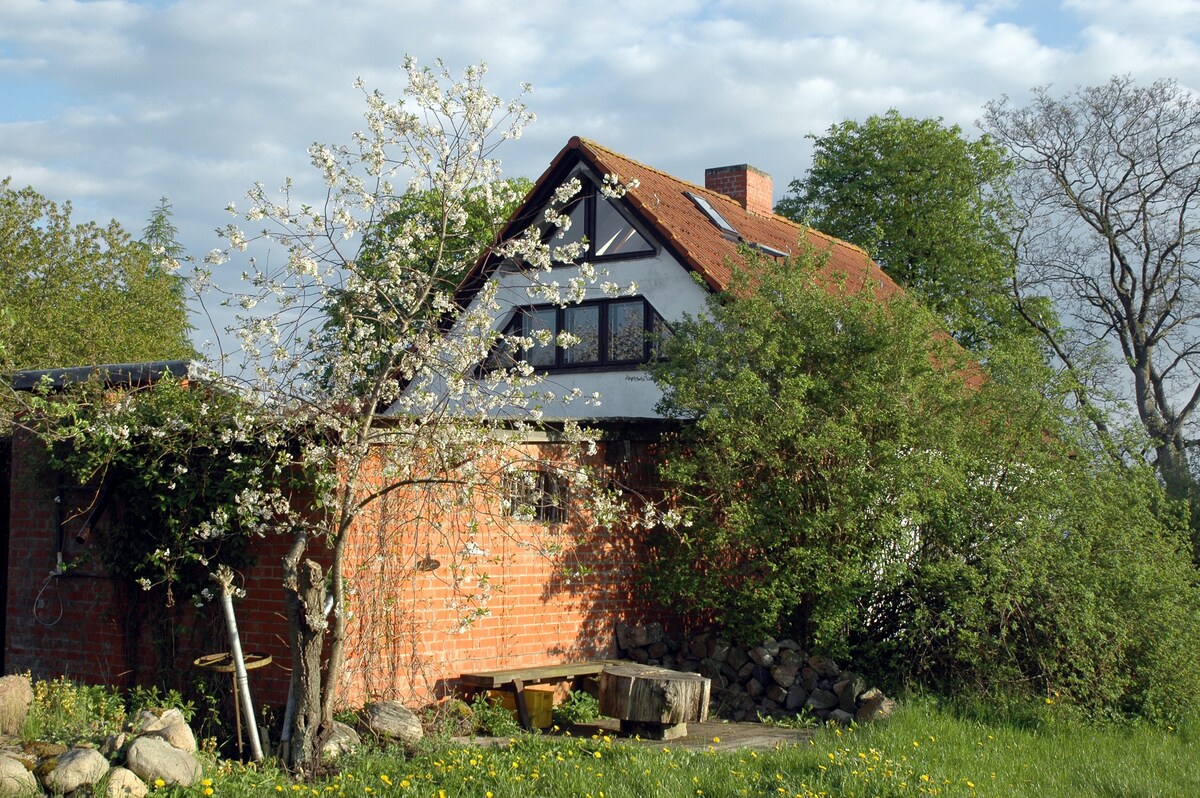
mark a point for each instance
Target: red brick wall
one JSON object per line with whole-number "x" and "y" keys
{"x": 407, "y": 631}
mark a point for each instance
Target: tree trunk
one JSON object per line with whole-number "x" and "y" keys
{"x": 304, "y": 588}
{"x": 655, "y": 703}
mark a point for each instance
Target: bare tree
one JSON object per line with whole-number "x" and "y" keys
{"x": 1109, "y": 227}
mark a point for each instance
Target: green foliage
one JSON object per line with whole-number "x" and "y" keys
{"x": 806, "y": 454}
{"x": 578, "y": 707}
{"x": 188, "y": 465}
{"x": 66, "y": 712}
{"x": 492, "y": 718}
{"x": 153, "y": 699}
{"x": 929, "y": 205}
{"x": 81, "y": 294}
{"x": 851, "y": 481}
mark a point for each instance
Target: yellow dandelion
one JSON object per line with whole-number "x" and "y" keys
{"x": 716, "y": 739}
{"x": 159, "y": 783}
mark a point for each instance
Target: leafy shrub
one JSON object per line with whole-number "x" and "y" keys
{"x": 849, "y": 479}
{"x": 492, "y": 718}
{"x": 155, "y": 700}
{"x": 66, "y": 712}
{"x": 578, "y": 707}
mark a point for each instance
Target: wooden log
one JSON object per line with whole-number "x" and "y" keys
{"x": 655, "y": 703}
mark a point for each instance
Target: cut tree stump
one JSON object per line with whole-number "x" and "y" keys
{"x": 653, "y": 703}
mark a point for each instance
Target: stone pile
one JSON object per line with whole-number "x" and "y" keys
{"x": 777, "y": 680}
{"x": 156, "y": 750}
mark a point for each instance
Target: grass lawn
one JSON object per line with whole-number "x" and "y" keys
{"x": 923, "y": 750}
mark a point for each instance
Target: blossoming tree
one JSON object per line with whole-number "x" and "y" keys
{"x": 375, "y": 368}
{"x": 363, "y": 383}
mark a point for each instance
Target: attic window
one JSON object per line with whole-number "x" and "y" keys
{"x": 603, "y": 227}
{"x": 611, "y": 333}
{"x": 728, "y": 230}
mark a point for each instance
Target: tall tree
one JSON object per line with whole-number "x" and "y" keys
{"x": 447, "y": 434}
{"x": 847, "y": 480}
{"x": 928, "y": 204}
{"x": 1107, "y": 188}
{"x": 80, "y": 294}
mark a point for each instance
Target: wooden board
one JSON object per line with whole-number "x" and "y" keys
{"x": 536, "y": 675}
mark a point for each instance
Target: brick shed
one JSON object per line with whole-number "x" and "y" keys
{"x": 417, "y": 619}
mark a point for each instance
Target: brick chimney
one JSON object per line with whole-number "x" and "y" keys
{"x": 749, "y": 186}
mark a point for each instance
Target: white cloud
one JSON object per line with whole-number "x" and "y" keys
{"x": 115, "y": 103}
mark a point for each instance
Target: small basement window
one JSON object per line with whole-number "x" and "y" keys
{"x": 536, "y": 495}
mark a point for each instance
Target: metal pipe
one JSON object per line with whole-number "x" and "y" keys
{"x": 224, "y": 577}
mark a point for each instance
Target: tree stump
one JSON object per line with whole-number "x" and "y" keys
{"x": 654, "y": 703}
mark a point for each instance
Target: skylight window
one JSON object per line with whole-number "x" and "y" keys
{"x": 714, "y": 216}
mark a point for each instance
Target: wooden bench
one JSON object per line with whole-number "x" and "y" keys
{"x": 515, "y": 680}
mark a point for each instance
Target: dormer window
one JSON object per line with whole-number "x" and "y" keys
{"x": 609, "y": 333}
{"x": 598, "y": 221}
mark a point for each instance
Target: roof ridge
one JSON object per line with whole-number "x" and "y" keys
{"x": 834, "y": 240}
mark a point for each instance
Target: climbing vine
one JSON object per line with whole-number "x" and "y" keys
{"x": 187, "y": 474}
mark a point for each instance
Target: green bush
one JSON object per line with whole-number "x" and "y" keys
{"x": 492, "y": 718}
{"x": 847, "y": 477}
{"x": 577, "y": 707}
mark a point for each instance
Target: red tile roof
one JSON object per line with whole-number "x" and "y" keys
{"x": 661, "y": 203}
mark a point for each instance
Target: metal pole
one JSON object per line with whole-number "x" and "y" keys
{"x": 224, "y": 577}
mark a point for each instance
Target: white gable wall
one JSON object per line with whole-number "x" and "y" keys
{"x": 628, "y": 392}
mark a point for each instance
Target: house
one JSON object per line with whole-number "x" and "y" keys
{"x": 675, "y": 241}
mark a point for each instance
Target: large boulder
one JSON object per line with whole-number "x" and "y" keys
{"x": 16, "y": 694}
{"x": 153, "y": 758}
{"x": 16, "y": 780}
{"x": 149, "y": 721}
{"x": 342, "y": 739}
{"x": 179, "y": 735}
{"x": 79, "y": 767}
{"x": 391, "y": 720}
{"x": 124, "y": 783}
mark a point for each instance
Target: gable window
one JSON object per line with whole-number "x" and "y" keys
{"x": 535, "y": 495}
{"x": 609, "y": 332}
{"x": 597, "y": 221}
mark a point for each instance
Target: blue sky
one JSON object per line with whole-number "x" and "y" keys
{"x": 114, "y": 103}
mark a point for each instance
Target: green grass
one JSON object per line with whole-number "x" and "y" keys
{"x": 926, "y": 749}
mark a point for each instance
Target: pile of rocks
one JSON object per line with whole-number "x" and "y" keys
{"x": 157, "y": 749}
{"x": 776, "y": 680}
